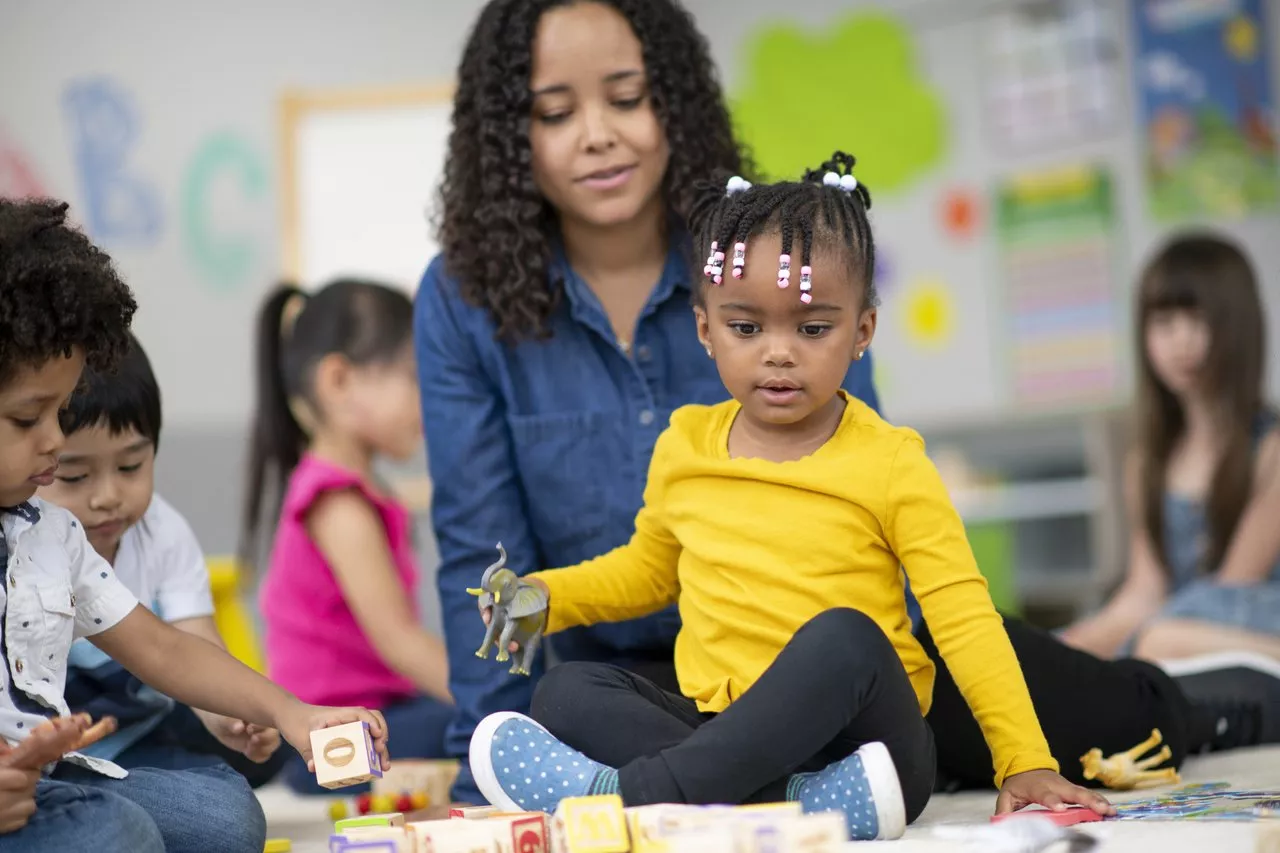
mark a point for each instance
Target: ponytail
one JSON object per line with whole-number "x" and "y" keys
{"x": 278, "y": 440}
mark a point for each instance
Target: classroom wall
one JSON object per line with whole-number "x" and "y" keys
{"x": 178, "y": 100}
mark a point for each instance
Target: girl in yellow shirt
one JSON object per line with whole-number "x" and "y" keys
{"x": 780, "y": 522}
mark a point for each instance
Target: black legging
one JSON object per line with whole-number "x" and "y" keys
{"x": 836, "y": 685}
{"x": 1082, "y": 702}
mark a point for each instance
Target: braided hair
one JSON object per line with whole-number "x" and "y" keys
{"x": 828, "y": 205}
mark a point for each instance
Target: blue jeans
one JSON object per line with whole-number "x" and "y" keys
{"x": 200, "y": 810}
{"x": 415, "y": 730}
{"x": 181, "y": 742}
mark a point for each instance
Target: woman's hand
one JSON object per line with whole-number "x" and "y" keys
{"x": 299, "y": 720}
{"x": 1050, "y": 790}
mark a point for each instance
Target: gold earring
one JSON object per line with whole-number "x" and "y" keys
{"x": 857, "y": 356}
{"x": 709, "y": 353}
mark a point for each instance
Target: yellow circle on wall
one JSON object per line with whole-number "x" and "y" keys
{"x": 929, "y": 313}
{"x": 1241, "y": 35}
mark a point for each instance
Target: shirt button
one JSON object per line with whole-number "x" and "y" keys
{"x": 644, "y": 353}
{"x": 646, "y": 417}
{"x": 17, "y": 665}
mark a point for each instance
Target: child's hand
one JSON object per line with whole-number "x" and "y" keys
{"x": 1047, "y": 789}
{"x": 53, "y": 739}
{"x": 297, "y": 724}
{"x": 257, "y": 743}
{"x": 17, "y": 797}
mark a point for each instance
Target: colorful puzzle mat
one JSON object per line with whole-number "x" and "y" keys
{"x": 1206, "y": 801}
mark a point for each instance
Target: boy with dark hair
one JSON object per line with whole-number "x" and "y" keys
{"x": 62, "y": 307}
{"x": 106, "y": 478}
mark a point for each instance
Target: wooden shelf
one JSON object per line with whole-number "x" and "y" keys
{"x": 1030, "y": 500}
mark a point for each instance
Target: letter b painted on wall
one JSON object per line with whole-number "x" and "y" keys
{"x": 120, "y": 207}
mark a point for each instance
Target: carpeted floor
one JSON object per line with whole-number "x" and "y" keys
{"x": 305, "y": 820}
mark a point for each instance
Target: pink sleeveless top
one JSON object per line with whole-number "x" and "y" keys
{"x": 314, "y": 646}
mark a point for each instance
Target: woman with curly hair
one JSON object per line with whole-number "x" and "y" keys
{"x": 554, "y": 335}
{"x": 554, "y": 338}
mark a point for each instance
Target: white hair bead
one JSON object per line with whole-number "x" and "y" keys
{"x": 831, "y": 179}
{"x": 848, "y": 183}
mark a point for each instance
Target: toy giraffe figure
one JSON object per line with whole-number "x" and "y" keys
{"x": 1124, "y": 772}
{"x": 519, "y": 613}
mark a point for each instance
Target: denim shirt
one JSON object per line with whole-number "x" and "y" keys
{"x": 544, "y": 446}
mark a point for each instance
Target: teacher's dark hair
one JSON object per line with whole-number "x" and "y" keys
{"x": 496, "y": 226}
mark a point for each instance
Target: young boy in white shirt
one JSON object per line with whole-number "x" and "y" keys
{"x": 62, "y": 306}
{"x": 106, "y": 478}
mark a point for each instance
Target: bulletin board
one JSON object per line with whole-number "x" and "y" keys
{"x": 1025, "y": 158}
{"x": 360, "y": 172}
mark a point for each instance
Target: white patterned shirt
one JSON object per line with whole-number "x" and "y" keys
{"x": 55, "y": 590}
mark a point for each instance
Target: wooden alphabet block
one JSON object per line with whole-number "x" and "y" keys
{"x": 525, "y": 832}
{"x": 389, "y": 819}
{"x": 433, "y": 777}
{"x": 367, "y": 839}
{"x": 473, "y": 812}
{"x": 453, "y": 836}
{"x": 344, "y": 755}
{"x": 714, "y": 838}
{"x": 590, "y": 825}
{"x": 819, "y": 832}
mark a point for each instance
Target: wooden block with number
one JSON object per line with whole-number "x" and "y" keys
{"x": 453, "y": 836}
{"x": 590, "y": 825}
{"x": 344, "y": 755}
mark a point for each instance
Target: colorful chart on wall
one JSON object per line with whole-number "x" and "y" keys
{"x": 1207, "y": 112}
{"x": 1058, "y": 241}
{"x": 1051, "y": 72}
{"x": 896, "y": 127}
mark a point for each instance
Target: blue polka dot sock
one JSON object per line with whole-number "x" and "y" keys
{"x": 863, "y": 786}
{"x": 519, "y": 766}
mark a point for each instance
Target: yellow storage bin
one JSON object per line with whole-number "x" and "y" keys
{"x": 233, "y": 619}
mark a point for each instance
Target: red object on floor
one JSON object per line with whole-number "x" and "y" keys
{"x": 362, "y": 803}
{"x": 1072, "y": 815}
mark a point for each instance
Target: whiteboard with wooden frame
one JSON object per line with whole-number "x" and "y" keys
{"x": 360, "y": 170}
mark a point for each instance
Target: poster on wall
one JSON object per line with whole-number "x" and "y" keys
{"x": 1051, "y": 73}
{"x": 1207, "y": 112}
{"x": 1057, "y": 234}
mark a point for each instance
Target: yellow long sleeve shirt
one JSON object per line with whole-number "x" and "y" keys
{"x": 751, "y": 550}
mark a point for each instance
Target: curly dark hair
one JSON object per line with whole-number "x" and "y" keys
{"x": 496, "y": 226}
{"x": 817, "y": 212}
{"x": 58, "y": 291}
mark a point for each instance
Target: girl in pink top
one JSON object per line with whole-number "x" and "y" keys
{"x": 337, "y": 389}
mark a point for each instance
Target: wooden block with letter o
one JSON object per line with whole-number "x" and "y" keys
{"x": 344, "y": 755}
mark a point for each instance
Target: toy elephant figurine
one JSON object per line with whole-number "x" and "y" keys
{"x": 519, "y": 614}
